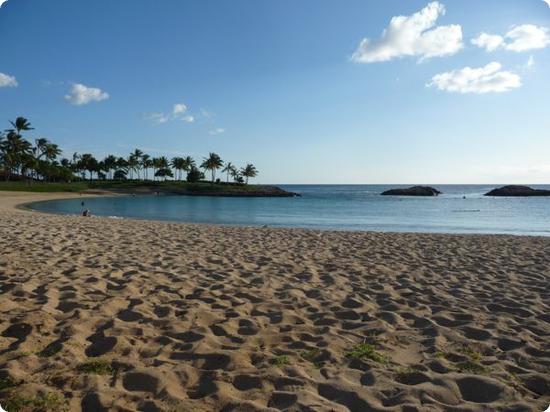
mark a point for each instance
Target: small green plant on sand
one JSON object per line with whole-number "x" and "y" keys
{"x": 471, "y": 353}
{"x": 22, "y": 354}
{"x": 97, "y": 367}
{"x": 366, "y": 351}
{"x": 405, "y": 372}
{"x": 311, "y": 355}
{"x": 49, "y": 402}
{"x": 471, "y": 367}
{"x": 281, "y": 360}
{"x": 50, "y": 350}
{"x": 8, "y": 383}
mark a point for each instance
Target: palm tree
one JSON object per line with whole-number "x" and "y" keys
{"x": 133, "y": 163}
{"x": 236, "y": 175}
{"x": 21, "y": 124}
{"x": 194, "y": 174}
{"x": 51, "y": 151}
{"x": 163, "y": 162}
{"x": 146, "y": 163}
{"x": 121, "y": 168}
{"x": 120, "y": 174}
{"x": 212, "y": 163}
{"x": 89, "y": 163}
{"x": 229, "y": 167}
{"x": 39, "y": 146}
{"x": 77, "y": 165}
{"x": 2, "y": 154}
{"x": 137, "y": 155}
{"x": 156, "y": 165}
{"x": 102, "y": 167}
{"x": 178, "y": 164}
{"x": 110, "y": 163}
{"x": 188, "y": 164}
{"x": 164, "y": 172}
{"x": 19, "y": 157}
{"x": 45, "y": 148}
{"x": 15, "y": 151}
{"x": 249, "y": 171}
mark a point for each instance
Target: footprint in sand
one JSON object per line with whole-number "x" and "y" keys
{"x": 100, "y": 346}
{"x": 19, "y": 331}
{"x": 140, "y": 382}
{"x": 247, "y": 382}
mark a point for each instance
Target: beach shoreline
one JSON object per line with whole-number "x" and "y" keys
{"x": 149, "y": 315}
{"x": 11, "y": 200}
{"x": 25, "y": 200}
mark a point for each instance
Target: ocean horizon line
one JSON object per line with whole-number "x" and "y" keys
{"x": 407, "y": 184}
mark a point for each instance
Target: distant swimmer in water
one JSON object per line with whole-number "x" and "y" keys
{"x": 86, "y": 213}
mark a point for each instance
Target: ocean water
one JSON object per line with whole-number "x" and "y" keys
{"x": 340, "y": 207}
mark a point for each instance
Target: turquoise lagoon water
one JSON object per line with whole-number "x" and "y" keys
{"x": 340, "y": 207}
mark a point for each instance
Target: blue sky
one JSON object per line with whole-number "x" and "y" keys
{"x": 287, "y": 85}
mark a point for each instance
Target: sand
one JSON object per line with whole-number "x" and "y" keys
{"x": 100, "y": 314}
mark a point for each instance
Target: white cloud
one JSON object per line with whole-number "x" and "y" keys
{"x": 179, "y": 112}
{"x": 415, "y": 35}
{"x": 217, "y": 131}
{"x": 489, "y": 42}
{"x": 518, "y": 39}
{"x": 7, "y": 80}
{"x": 179, "y": 108}
{"x": 488, "y": 79}
{"x": 81, "y": 95}
{"x": 207, "y": 115}
{"x": 531, "y": 62}
{"x": 157, "y": 117}
{"x": 527, "y": 37}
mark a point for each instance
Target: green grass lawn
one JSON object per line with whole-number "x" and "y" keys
{"x": 125, "y": 186}
{"x": 43, "y": 187}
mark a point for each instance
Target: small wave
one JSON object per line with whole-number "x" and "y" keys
{"x": 115, "y": 217}
{"x": 467, "y": 211}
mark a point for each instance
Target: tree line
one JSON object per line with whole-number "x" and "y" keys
{"x": 41, "y": 161}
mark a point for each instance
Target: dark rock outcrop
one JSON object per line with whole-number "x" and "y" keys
{"x": 518, "y": 191}
{"x": 413, "y": 191}
{"x": 200, "y": 189}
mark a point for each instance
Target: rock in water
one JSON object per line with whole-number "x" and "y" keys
{"x": 518, "y": 191}
{"x": 413, "y": 191}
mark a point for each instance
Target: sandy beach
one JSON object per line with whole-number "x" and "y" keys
{"x": 101, "y": 314}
